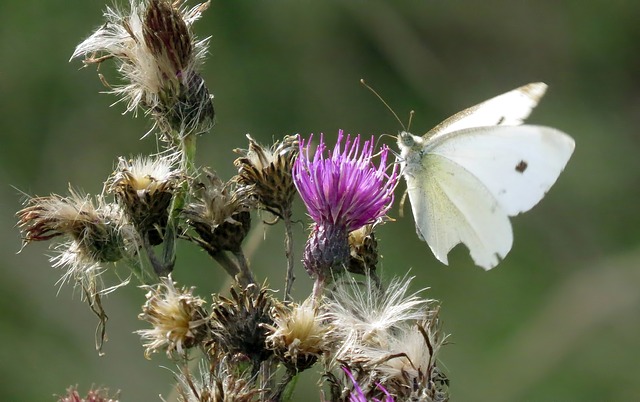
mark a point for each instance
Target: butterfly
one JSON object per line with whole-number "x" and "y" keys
{"x": 470, "y": 173}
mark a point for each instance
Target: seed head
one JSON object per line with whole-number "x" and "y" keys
{"x": 220, "y": 215}
{"x": 299, "y": 336}
{"x": 220, "y": 381}
{"x": 365, "y": 315}
{"x": 363, "y": 248}
{"x": 92, "y": 235}
{"x": 158, "y": 57}
{"x": 178, "y": 319}
{"x": 240, "y": 324}
{"x": 268, "y": 173}
{"x": 94, "y": 395}
{"x": 144, "y": 187}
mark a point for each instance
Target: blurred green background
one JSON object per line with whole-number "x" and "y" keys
{"x": 558, "y": 320}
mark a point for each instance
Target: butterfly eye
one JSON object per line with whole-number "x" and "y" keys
{"x": 406, "y": 139}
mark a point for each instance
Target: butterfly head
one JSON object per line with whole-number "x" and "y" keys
{"x": 409, "y": 143}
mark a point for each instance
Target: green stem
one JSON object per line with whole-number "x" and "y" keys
{"x": 188, "y": 166}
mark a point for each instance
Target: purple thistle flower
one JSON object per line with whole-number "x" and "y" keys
{"x": 346, "y": 189}
{"x": 342, "y": 193}
{"x": 358, "y": 395}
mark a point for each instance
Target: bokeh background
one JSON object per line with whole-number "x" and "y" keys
{"x": 558, "y": 320}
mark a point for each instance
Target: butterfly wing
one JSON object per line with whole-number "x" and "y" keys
{"x": 516, "y": 164}
{"x": 450, "y": 206}
{"x": 508, "y": 109}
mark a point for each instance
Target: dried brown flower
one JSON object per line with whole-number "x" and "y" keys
{"x": 298, "y": 336}
{"x": 268, "y": 172}
{"x": 158, "y": 57}
{"x": 144, "y": 187}
{"x": 363, "y": 251}
{"x": 238, "y": 324}
{"x": 220, "y": 215}
{"x": 179, "y": 321}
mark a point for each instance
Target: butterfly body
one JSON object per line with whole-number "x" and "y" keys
{"x": 470, "y": 173}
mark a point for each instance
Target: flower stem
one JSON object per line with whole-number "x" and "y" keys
{"x": 187, "y": 164}
{"x": 288, "y": 247}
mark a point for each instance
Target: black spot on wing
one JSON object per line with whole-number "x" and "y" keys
{"x": 521, "y": 166}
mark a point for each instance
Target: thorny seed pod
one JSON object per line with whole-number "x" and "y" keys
{"x": 179, "y": 321}
{"x": 158, "y": 58}
{"x": 238, "y": 324}
{"x": 268, "y": 172}
{"x": 220, "y": 215}
{"x": 144, "y": 187}
{"x": 298, "y": 336}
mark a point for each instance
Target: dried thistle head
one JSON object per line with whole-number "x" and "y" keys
{"x": 268, "y": 172}
{"x": 363, "y": 314}
{"x": 388, "y": 337}
{"x": 158, "y": 57}
{"x": 409, "y": 365}
{"x": 93, "y": 234}
{"x": 363, "y": 248}
{"x": 299, "y": 335}
{"x": 144, "y": 187}
{"x": 178, "y": 320}
{"x": 239, "y": 323}
{"x": 220, "y": 214}
{"x": 220, "y": 381}
{"x": 93, "y": 395}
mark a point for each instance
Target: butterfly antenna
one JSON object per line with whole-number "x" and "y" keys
{"x": 383, "y": 102}
{"x": 411, "y": 113}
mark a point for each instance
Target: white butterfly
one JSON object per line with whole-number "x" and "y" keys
{"x": 466, "y": 176}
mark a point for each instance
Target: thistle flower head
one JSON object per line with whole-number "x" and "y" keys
{"x": 144, "y": 187}
{"x": 158, "y": 57}
{"x": 345, "y": 189}
{"x": 220, "y": 215}
{"x": 238, "y": 323}
{"x": 342, "y": 193}
{"x": 179, "y": 321}
{"x": 299, "y": 335}
{"x": 94, "y": 234}
{"x": 268, "y": 172}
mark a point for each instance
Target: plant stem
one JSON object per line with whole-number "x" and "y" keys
{"x": 288, "y": 249}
